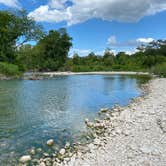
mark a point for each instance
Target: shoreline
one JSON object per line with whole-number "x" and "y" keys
{"x": 51, "y": 74}
{"x": 130, "y": 135}
{"x": 43, "y": 75}
{"x": 134, "y": 135}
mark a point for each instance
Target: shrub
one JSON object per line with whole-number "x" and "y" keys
{"x": 9, "y": 69}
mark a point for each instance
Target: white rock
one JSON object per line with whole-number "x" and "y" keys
{"x": 96, "y": 141}
{"x": 42, "y": 164}
{"x": 25, "y": 159}
{"x": 67, "y": 159}
{"x": 50, "y": 142}
{"x": 62, "y": 151}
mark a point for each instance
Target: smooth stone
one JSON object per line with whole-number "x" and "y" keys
{"x": 25, "y": 159}
{"x": 67, "y": 159}
{"x": 50, "y": 142}
{"x": 104, "y": 109}
{"x": 62, "y": 151}
{"x": 45, "y": 154}
{"x": 39, "y": 150}
{"x": 42, "y": 164}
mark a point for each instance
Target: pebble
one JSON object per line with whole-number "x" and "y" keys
{"x": 25, "y": 159}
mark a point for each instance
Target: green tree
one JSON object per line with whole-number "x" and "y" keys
{"x": 15, "y": 30}
{"x": 108, "y": 58}
{"x": 53, "y": 50}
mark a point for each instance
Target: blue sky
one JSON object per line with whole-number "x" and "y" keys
{"x": 94, "y": 25}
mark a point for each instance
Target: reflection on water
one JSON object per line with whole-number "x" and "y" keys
{"x": 33, "y": 111}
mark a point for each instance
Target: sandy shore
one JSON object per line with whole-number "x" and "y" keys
{"x": 134, "y": 135}
{"x": 93, "y": 73}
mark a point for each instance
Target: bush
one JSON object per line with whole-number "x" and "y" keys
{"x": 9, "y": 69}
{"x": 159, "y": 70}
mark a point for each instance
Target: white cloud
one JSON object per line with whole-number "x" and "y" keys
{"x": 57, "y": 4}
{"x": 43, "y": 13}
{"x": 144, "y": 40}
{"x": 112, "y": 41}
{"x": 80, "y": 52}
{"x": 80, "y": 11}
{"x": 10, "y": 3}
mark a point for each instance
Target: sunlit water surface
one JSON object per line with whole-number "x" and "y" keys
{"x": 31, "y": 112}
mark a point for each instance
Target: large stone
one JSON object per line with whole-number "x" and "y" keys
{"x": 25, "y": 159}
{"x": 62, "y": 151}
{"x": 50, "y": 142}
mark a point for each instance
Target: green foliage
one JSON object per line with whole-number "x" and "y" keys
{"x": 154, "y": 54}
{"x": 9, "y": 69}
{"x": 15, "y": 27}
{"x": 159, "y": 70}
{"x": 53, "y": 50}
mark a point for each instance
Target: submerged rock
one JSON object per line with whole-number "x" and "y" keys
{"x": 25, "y": 159}
{"x": 104, "y": 110}
{"x": 50, "y": 142}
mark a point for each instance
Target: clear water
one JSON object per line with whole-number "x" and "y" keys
{"x": 31, "y": 112}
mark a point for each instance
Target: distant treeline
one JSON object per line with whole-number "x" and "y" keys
{"x": 52, "y": 48}
{"x": 151, "y": 58}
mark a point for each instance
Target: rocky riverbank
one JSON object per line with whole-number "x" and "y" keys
{"x": 135, "y": 135}
{"x": 131, "y": 135}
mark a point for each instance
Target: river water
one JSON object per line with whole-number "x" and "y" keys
{"x": 31, "y": 112}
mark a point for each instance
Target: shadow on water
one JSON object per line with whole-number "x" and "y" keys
{"x": 31, "y": 112}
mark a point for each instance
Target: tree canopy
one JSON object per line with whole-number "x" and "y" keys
{"x": 15, "y": 30}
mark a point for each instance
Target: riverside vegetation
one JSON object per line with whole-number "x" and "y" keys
{"x": 51, "y": 51}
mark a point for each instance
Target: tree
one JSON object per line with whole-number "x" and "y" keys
{"x": 53, "y": 49}
{"x": 30, "y": 30}
{"x": 108, "y": 58}
{"x": 15, "y": 30}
